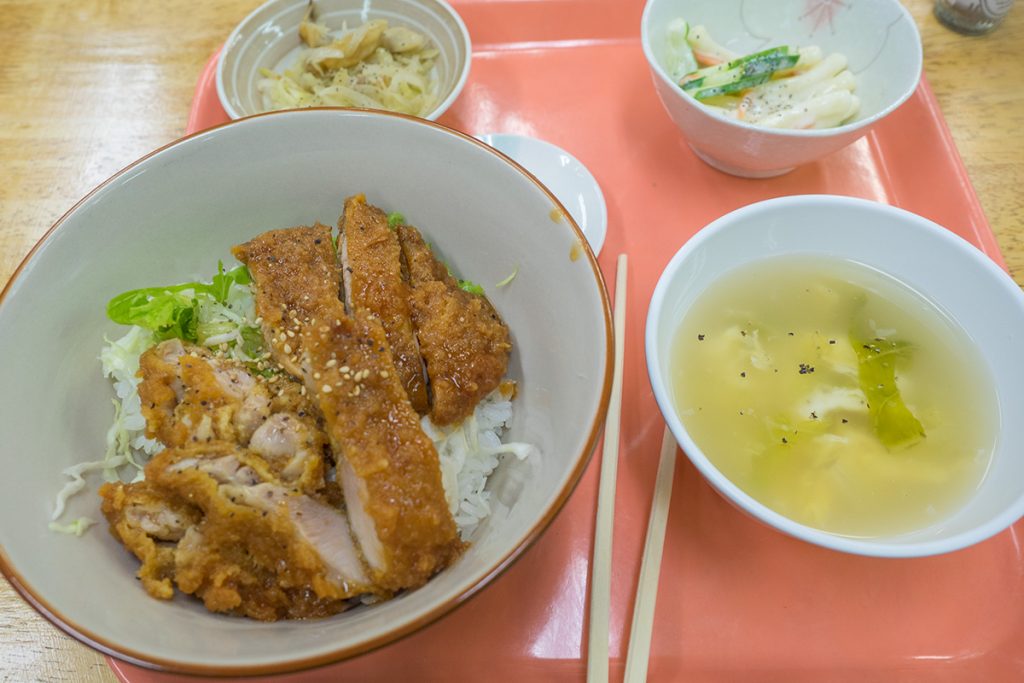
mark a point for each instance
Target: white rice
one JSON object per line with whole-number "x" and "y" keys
{"x": 469, "y": 453}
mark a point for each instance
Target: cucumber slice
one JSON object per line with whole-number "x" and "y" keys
{"x": 733, "y": 87}
{"x": 765, "y": 62}
{"x": 680, "y": 55}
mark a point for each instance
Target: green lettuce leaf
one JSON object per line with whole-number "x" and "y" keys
{"x": 171, "y": 312}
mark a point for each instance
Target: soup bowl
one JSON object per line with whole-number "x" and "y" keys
{"x": 961, "y": 281}
{"x": 169, "y": 218}
{"x": 878, "y": 38}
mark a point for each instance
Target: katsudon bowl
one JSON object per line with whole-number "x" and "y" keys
{"x": 169, "y": 218}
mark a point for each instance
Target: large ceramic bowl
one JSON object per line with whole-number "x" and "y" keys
{"x": 169, "y": 218}
{"x": 950, "y": 272}
{"x": 878, "y": 37}
{"x": 269, "y": 39}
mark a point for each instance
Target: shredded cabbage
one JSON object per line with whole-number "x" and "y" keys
{"x": 221, "y": 316}
{"x": 370, "y": 66}
{"x": 75, "y": 528}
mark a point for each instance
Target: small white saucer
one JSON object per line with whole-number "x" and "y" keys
{"x": 563, "y": 174}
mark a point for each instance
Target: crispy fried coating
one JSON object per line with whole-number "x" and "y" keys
{"x": 147, "y": 522}
{"x": 464, "y": 342}
{"x": 245, "y": 543}
{"x": 387, "y": 466}
{"x": 295, "y": 279}
{"x": 371, "y": 263}
{"x": 188, "y": 396}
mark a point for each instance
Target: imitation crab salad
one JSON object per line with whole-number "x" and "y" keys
{"x": 310, "y": 430}
{"x": 780, "y": 87}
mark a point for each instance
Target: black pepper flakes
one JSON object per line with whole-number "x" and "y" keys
{"x": 845, "y": 420}
{"x": 806, "y": 369}
{"x": 743, "y": 374}
{"x": 784, "y": 440}
{"x": 700, "y": 337}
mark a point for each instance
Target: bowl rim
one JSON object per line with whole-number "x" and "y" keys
{"x": 433, "y": 114}
{"x": 658, "y": 72}
{"x": 582, "y": 458}
{"x": 721, "y": 483}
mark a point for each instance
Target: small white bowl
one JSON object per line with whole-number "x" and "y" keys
{"x": 878, "y": 37}
{"x": 269, "y": 38}
{"x": 169, "y": 218}
{"x": 945, "y": 269}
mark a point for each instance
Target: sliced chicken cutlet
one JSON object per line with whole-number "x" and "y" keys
{"x": 371, "y": 268}
{"x": 464, "y": 342}
{"x": 189, "y": 395}
{"x": 149, "y": 522}
{"x": 247, "y": 543}
{"x": 295, "y": 277}
{"x": 388, "y": 467}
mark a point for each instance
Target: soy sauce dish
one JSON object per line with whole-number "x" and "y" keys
{"x": 845, "y": 372}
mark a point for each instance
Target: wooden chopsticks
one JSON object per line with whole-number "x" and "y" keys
{"x": 650, "y": 568}
{"x": 600, "y": 578}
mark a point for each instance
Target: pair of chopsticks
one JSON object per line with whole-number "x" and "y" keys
{"x": 650, "y": 568}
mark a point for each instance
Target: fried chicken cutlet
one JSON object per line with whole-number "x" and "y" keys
{"x": 371, "y": 267}
{"x": 214, "y": 520}
{"x": 388, "y": 468}
{"x": 464, "y": 342}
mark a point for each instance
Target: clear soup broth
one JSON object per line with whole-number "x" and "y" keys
{"x": 835, "y": 395}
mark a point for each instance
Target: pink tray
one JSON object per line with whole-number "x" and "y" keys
{"x": 737, "y": 600}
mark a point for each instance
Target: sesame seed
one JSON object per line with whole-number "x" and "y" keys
{"x": 316, "y": 375}
{"x": 343, "y": 368}
{"x": 291, "y": 333}
{"x": 287, "y": 348}
{"x": 383, "y": 373}
{"x": 331, "y": 363}
{"x": 302, "y": 389}
{"x": 327, "y": 388}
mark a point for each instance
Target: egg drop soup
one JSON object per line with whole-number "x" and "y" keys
{"x": 835, "y": 395}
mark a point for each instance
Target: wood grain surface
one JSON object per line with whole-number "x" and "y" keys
{"x": 88, "y": 86}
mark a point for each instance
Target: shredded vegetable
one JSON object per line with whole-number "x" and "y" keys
{"x": 509, "y": 279}
{"x": 219, "y": 314}
{"x": 373, "y": 65}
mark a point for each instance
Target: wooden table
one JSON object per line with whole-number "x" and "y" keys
{"x": 87, "y": 86}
